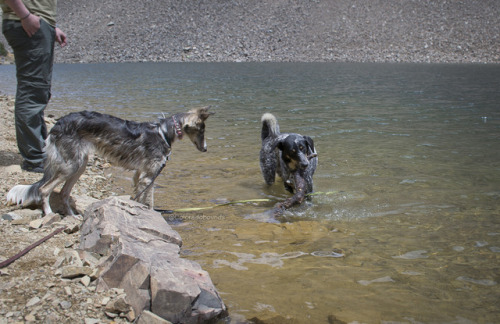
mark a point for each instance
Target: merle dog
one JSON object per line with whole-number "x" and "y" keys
{"x": 143, "y": 147}
{"x": 291, "y": 156}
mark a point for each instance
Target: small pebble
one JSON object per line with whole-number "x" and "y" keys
{"x": 419, "y": 254}
{"x": 33, "y": 301}
{"x": 482, "y": 282}
{"x": 65, "y": 304}
{"x": 481, "y": 243}
{"x": 336, "y": 253}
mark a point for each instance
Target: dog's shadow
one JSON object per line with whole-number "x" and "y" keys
{"x": 9, "y": 158}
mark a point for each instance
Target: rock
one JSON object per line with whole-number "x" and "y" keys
{"x": 30, "y": 318}
{"x": 33, "y": 301}
{"x": 130, "y": 316}
{"x": 82, "y": 202}
{"x": 71, "y": 257}
{"x": 120, "y": 216}
{"x": 368, "y": 282}
{"x": 89, "y": 320}
{"x": 118, "y": 305}
{"x": 25, "y": 216}
{"x": 50, "y": 219}
{"x": 37, "y": 223}
{"x": 111, "y": 315}
{"x": 85, "y": 280}
{"x": 142, "y": 257}
{"x": 148, "y": 317}
{"x": 418, "y": 254}
{"x": 71, "y": 223}
{"x": 88, "y": 258}
{"x": 21, "y": 221}
{"x": 10, "y": 216}
{"x": 59, "y": 262}
{"x": 65, "y": 304}
{"x": 68, "y": 244}
{"x": 70, "y": 272}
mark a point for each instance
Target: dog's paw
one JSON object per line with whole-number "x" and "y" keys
{"x": 278, "y": 210}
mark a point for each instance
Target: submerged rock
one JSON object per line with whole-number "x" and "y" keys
{"x": 482, "y": 282}
{"x": 368, "y": 282}
{"x": 419, "y": 254}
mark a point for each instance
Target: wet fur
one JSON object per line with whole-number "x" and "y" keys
{"x": 289, "y": 155}
{"x": 142, "y": 147}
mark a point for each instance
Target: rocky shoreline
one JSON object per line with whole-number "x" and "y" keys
{"x": 34, "y": 288}
{"x": 83, "y": 273}
{"x": 280, "y": 31}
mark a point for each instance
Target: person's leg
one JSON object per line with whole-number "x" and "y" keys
{"x": 34, "y": 60}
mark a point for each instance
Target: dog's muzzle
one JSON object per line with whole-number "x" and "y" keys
{"x": 204, "y": 147}
{"x": 304, "y": 163}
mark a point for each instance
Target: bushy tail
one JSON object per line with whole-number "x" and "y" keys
{"x": 26, "y": 195}
{"x": 270, "y": 126}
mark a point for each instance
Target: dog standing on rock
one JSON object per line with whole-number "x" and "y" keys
{"x": 143, "y": 147}
{"x": 291, "y": 156}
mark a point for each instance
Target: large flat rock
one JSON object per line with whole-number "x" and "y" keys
{"x": 141, "y": 256}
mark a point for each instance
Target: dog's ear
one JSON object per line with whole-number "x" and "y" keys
{"x": 311, "y": 151}
{"x": 310, "y": 143}
{"x": 203, "y": 113}
{"x": 277, "y": 143}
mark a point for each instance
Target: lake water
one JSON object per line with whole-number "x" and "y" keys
{"x": 405, "y": 227}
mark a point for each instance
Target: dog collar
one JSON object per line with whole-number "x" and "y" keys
{"x": 177, "y": 128}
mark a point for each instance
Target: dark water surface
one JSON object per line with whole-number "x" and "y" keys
{"x": 408, "y": 182}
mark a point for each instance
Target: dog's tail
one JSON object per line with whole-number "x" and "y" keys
{"x": 270, "y": 126}
{"x": 26, "y": 195}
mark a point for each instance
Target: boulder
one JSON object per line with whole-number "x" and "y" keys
{"x": 150, "y": 318}
{"x": 141, "y": 256}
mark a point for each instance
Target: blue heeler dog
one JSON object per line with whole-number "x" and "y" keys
{"x": 291, "y": 156}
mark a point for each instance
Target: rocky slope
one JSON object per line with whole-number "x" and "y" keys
{"x": 281, "y": 30}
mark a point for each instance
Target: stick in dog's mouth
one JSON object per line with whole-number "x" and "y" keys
{"x": 311, "y": 156}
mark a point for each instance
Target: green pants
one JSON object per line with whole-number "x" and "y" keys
{"x": 34, "y": 57}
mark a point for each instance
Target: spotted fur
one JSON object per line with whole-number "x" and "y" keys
{"x": 289, "y": 155}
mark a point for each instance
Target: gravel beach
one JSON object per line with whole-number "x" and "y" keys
{"x": 281, "y": 30}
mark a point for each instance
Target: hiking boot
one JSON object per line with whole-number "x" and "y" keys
{"x": 26, "y": 166}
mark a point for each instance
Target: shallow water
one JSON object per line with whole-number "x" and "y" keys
{"x": 405, "y": 225}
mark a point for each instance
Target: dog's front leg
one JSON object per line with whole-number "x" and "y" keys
{"x": 143, "y": 188}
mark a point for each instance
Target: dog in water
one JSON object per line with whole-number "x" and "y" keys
{"x": 142, "y": 147}
{"x": 291, "y": 156}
